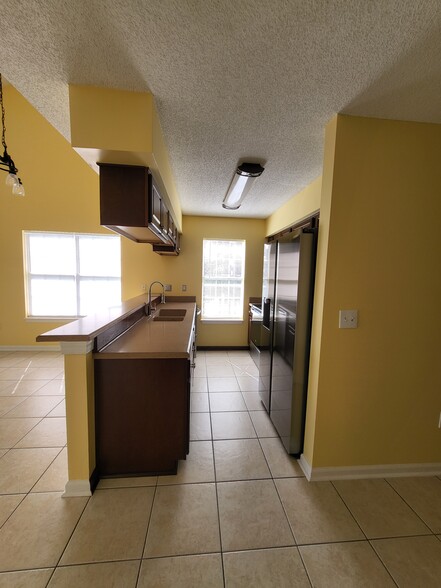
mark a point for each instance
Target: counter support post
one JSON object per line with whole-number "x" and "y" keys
{"x": 80, "y": 416}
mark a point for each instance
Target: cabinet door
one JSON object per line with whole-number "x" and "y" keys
{"x": 141, "y": 415}
{"x": 126, "y": 203}
{"x": 164, "y": 219}
{"x": 170, "y": 226}
{"x": 159, "y": 215}
{"x": 123, "y": 195}
{"x": 156, "y": 203}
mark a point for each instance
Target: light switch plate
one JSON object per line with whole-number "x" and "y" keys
{"x": 348, "y": 319}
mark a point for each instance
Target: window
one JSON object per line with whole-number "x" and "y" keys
{"x": 223, "y": 272}
{"x": 71, "y": 274}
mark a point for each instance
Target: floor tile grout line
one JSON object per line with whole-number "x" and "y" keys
{"x": 266, "y": 459}
{"x": 304, "y": 566}
{"x": 24, "y": 398}
{"x": 27, "y": 433}
{"x": 409, "y": 505}
{"x": 348, "y": 509}
{"x": 70, "y": 536}
{"x": 216, "y": 492}
{"x": 179, "y": 555}
{"x": 4, "y": 416}
{"x": 48, "y": 382}
{"x": 147, "y": 532}
{"x": 216, "y": 487}
{"x": 383, "y": 563}
{"x": 285, "y": 513}
{"x": 261, "y": 449}
{"x": 190, "y": 554}
{"x": 58, "y": 454}
{"x": 430, "y": 532}
{"x": 10, "y": 515}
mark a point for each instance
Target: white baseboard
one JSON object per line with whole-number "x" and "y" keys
{"x": 77, "y": 488}
{"x": 35, "y": 348}
{"x": 306, "y": 466}
{"x": 371, "y": 471}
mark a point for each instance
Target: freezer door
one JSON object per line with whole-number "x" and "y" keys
{"x": 292, "y": 326}
{"x": 269, "y": 275}
{"x": 285, "y": 308}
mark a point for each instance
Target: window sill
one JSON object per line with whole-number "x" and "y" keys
{"x": 51, "y": 319}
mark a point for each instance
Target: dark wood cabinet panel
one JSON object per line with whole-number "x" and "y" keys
{"x": 142, "y": 413}
{"x": 171, "y": 228}
{"x": 173, "y": 249}
{"x": 155, "y": 208}
{"x": 131, "y": 203}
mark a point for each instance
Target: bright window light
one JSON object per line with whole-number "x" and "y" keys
{"x": 223, "y": 275}
{"x": 71, "y": 274}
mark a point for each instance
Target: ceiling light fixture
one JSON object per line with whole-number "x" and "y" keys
{"x": 6, "y": 162}
{"x": 241, "y": 183}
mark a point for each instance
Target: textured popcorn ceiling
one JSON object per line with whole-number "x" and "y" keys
{"x": 233, "y": 79}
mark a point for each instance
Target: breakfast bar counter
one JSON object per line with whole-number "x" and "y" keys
{"x": 100, "y": 385}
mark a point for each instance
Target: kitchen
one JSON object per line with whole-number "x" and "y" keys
{"x": 343, "y": 244}
{"x": 353, "y": 372}
{"x": 136, "y": 257}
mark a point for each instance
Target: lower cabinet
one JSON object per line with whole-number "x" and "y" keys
{"x": 142, "y": 415}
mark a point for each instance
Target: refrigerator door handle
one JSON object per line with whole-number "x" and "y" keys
{"x": 266, "y": 312}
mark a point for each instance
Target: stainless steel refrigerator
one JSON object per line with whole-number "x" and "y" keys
{"x": 287, "y": 296}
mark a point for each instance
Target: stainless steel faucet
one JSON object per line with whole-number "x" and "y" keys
{"x": 149, "y": 302}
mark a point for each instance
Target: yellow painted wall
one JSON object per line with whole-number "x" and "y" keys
{"x": 299, "y": 207}
{"x": 141, "y": 265}
{"x": 80, "y": 408}
{"x": 163, "y": 166}
{"x": 61, "y": 195}
{"x": 117, "y": 126}
{"x": 320, "y": 283}
{"x": 377, "y": 389}
{"x": 92, "y": 108}
{"x": 65, "y": 197}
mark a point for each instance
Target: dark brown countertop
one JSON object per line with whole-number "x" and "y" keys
{"x": 88, "y": 327}
{"x": 149, "y": 338}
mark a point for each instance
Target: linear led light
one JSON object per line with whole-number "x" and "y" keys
{"x": 241, "y": 183}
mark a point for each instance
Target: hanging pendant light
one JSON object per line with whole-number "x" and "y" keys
{"x": 6, "y": 162}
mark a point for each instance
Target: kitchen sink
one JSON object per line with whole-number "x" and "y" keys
{"x": 168, "y": 318}
{"x": 173, "y": 312}
{"x": 170, "y": 314}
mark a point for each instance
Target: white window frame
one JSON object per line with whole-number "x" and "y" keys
{"x": 78, "y": 278}
{"x": 233, "y": 280}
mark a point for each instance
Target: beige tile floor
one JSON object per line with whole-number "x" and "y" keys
{"x": 239, "y": 512}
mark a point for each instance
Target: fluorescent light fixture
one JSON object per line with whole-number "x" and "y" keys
{"x": 241, "y": 183}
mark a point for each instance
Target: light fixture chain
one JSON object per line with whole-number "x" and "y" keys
{"x": 3, "y": 114}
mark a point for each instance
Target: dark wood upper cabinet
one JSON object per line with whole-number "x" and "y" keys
{"x": 172, "y": 230}
{"x": 155, "y": 208}
{"x": 173, "y": 249}
{"x": 131, "y": 204}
